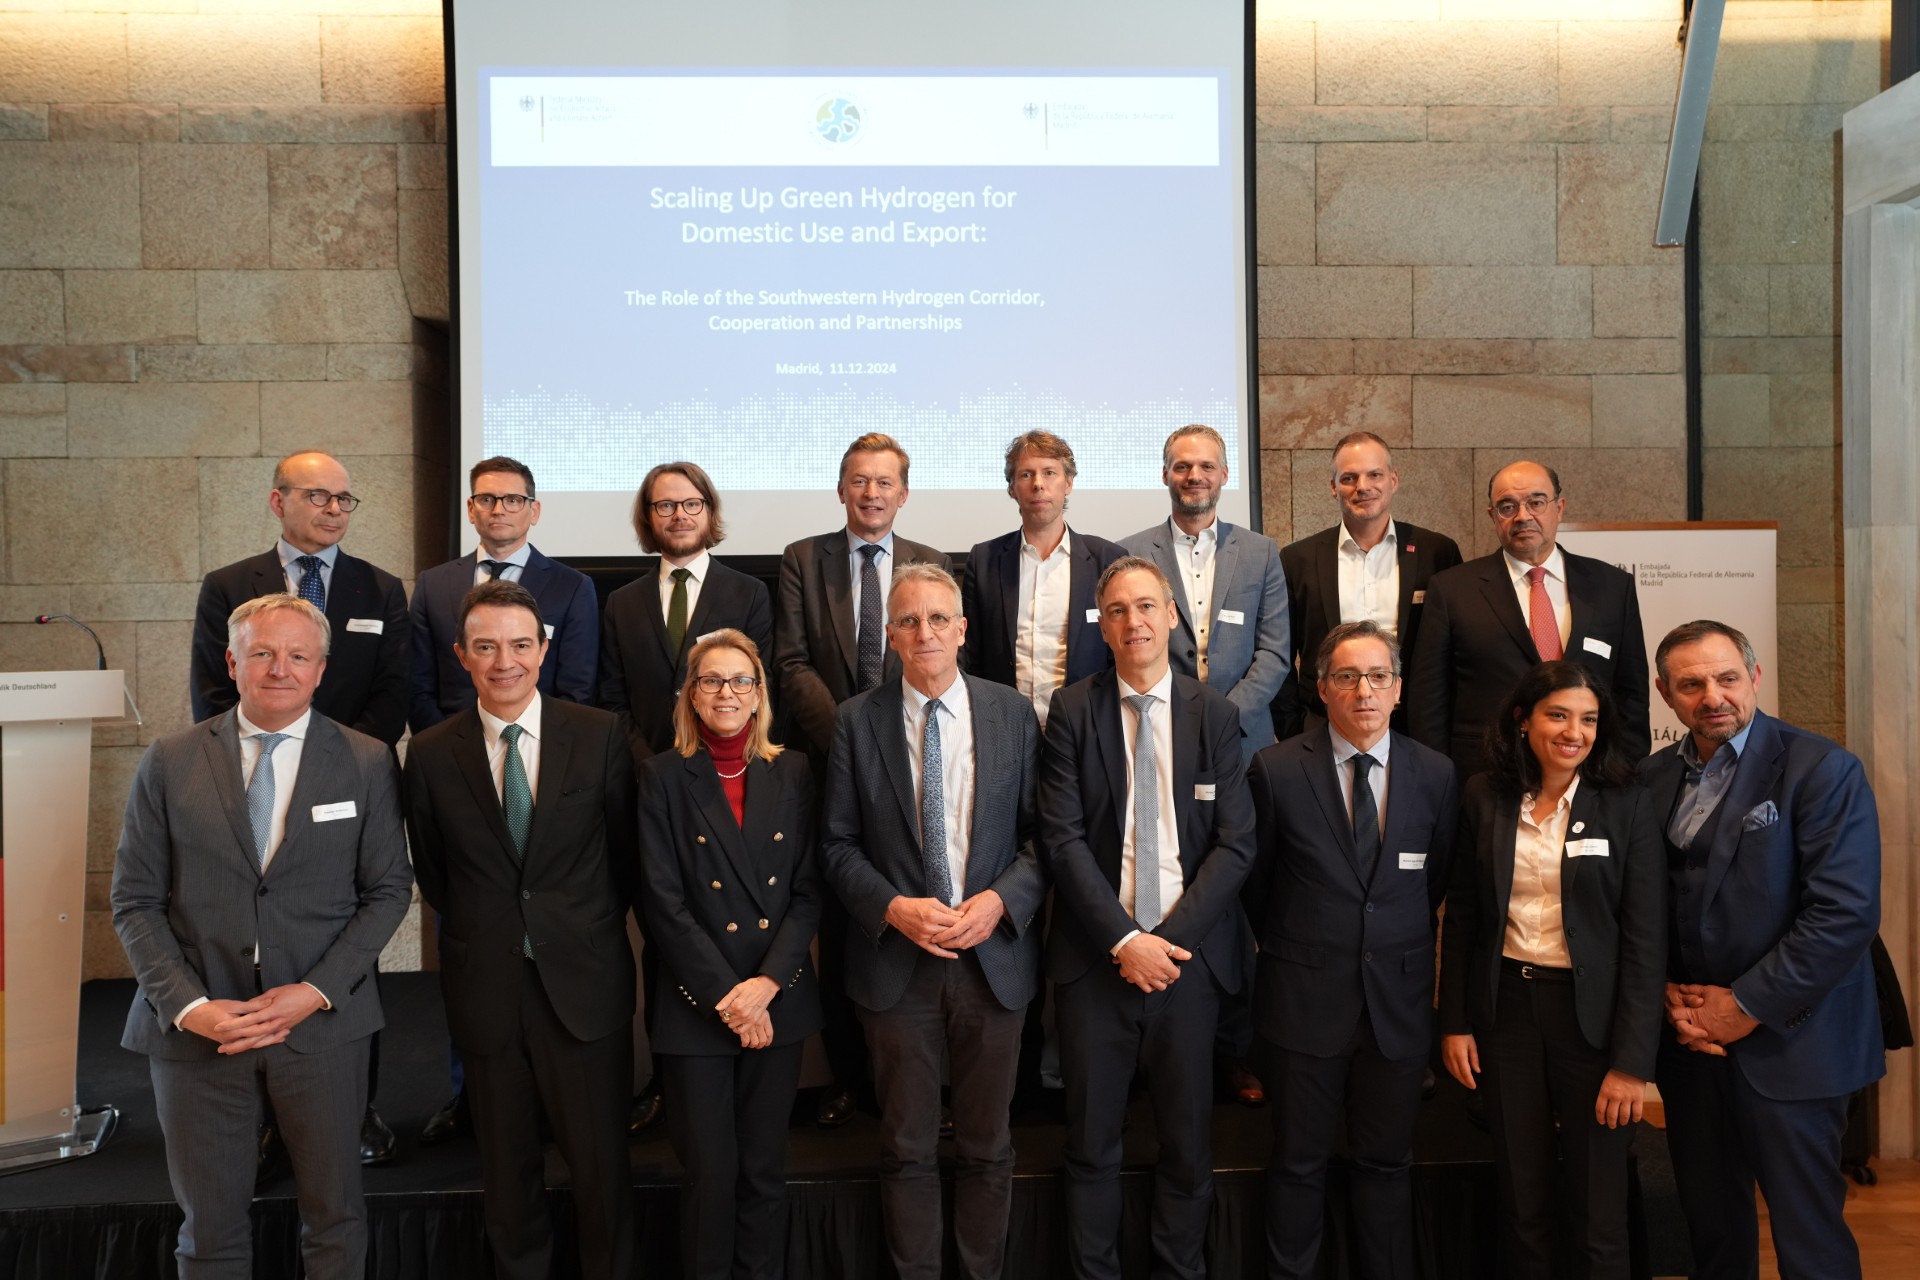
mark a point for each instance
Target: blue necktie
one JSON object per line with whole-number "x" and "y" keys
{"x": 313, "y": 588}
{"x": 516, "y": 798}
{"x": 933, "y": 810}
{"x": 1366, "y": 817}
{"x": 1146, "y": 818}
{"x": 260, "y": 795}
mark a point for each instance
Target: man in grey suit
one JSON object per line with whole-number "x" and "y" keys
{"x": 261, "y": 869}
{"x": 1233, "y": 636}
{"x": 928, "y": 838}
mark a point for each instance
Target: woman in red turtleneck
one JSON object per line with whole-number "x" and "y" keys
{"x": 731, "y": 900}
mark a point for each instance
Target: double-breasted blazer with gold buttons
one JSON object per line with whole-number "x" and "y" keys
{"x": 723, "y": 900}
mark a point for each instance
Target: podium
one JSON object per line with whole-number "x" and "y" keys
{"x": 46, "y": 739}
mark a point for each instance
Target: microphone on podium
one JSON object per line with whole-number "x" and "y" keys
{"x": 98, "y": 648}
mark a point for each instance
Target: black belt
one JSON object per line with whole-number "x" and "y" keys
{"x": 1530, "y": 972}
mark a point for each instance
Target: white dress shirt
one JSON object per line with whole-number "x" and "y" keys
{"x": 290, "y": 553}
{"x": 1343, "y": 754}
{"x": 696, "y": 575}
{"x": 1195, "y": 553}
{"x": 1370, "y": 580}
{"x": 1160, "y": 725}
{"x": 1534, "y": 932}
{"x": 1556, "y": 584}
{"x": 529, "y": 746}
{"x": 882, "y": 566}
{"x": 516, "y": 563}
{"x": 956, "y": 768}
{"x": 1040, "y": 637}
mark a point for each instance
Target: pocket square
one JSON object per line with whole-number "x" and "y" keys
{"x": 1761, "y": 815}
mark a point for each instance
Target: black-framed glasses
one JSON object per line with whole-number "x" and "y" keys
{"x": 510, "y": 501}
{"x": 667, "y": 506}
{"x": 321, "y": 497}
{"x": 1348, "y": 681}
{"x": 739, "y": 684}
{"x": 1533, "y": 504}
{"x": 939, "y": 622}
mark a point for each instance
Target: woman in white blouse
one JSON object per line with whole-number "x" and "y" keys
{"x": 1553, "y": 965}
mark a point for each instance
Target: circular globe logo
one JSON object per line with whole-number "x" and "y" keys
{"x": 837, "y": 120}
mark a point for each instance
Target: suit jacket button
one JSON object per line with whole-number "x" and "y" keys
{"x": 716, "y": 884}
{"x": 763, "y": 924}
{"x": 732, "y": 927}
{"x": 778, "y": 836}
{"x": 263, "y": 891}
{"x": 526, "y": 893}
{"x": 699, "y": 839}
{"x": 773, "y": 879}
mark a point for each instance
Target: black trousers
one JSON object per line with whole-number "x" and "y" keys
{"x": 728, "y": 1125}
{"x": 1374, "y": 1099}
{"x": 1538, "y": 1069}
{"x": 1108, "y": 1027}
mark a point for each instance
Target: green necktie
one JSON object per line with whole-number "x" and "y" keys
{"x": 516, "y": 798}
{"x": 677, "y": 609}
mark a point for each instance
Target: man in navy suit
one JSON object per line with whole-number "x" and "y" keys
{"x": 1031, "y": 618}
{"x": 1356, "y": 826}
{"x": 503, "y": 509}
{"x": 928, "y": 838}
{"x": 1148, "y": 827}
{"x": 1773, "y": 850}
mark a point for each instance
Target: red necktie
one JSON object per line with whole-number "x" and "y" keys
{"x": 1540, "y": 620}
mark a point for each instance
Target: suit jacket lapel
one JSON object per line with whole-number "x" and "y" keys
{"x": 1585, "y": 802}
{"x": 1408, "y": 563}
{"x": 713, "y": 598}
{"x": 885, "y": 707}
{"x": 989, "y": 731}
{"x": 1323, "y": 781}
{"x": 1226, "y": 556}
{"x": 1083, "y": 576}
{"x": 1160, "y": 551}
{"x": 1003, "y": 564}
{"x": 1110, "y": 740}
{"x": 1506, "y": 830}
{"x": 1759, "y": 774}
{"x": 221, "y": 750}
{"x": 470, "y": 758}
{"x": 1326, "y": 564}
{"x": 556, "y": 746}
{"x": 1579, "y": 605}
{"x": 705, "y": 786}
{"x": 832, "y": 552}
{"x": 1497, "y": 589}
{"x": 320, "y": 764}
{"x": 1186, "y": 767}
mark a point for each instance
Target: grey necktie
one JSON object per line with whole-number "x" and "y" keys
{"x": 1146, "y": 817}
{"x": 873, "y": 651}
{"x": 1366, "y": 817}
{"x": 933, "y": 810}
{"x": 260, "y": 795}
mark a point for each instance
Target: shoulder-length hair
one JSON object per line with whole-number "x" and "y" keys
{"x": 1512, "y": 763}
{"x": 686, "y": 724}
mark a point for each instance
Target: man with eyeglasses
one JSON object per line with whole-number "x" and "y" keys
{"x": 1490, "y": 621}
{"x": 647, "y": 630}
{"x": 928, "y": 836}
{"x": 1355, "y": 824}
{"x": 502, "y": 508}
{"x": 365, "y": 683}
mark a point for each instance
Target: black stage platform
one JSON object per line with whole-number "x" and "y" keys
{"x": 111, "y": 1216}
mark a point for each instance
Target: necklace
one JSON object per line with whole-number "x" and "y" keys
{"x": 736, "y": 773}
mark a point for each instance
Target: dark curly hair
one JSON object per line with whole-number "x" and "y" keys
{"x": 1512, "y": 764}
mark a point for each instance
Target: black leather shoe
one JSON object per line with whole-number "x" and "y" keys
{"x": 946, "y": 1122}
{"x": 646, "y": 1113}
{"x": 271, "y": 1156}
{"x": 449, "y": 1122}
{"x": 1428, "y": 1083}
{"x": 377, "y": 1143}
{"x": 835, "y": 1108}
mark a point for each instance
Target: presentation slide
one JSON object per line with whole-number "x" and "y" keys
{"x": 749, "y": 265}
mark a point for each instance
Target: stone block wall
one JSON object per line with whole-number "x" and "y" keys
{"x": 223, "y": 237}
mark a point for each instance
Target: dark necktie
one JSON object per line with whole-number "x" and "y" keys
{"x": 933, "y": 810}
{"x": 313, "y": 588}
{"x": 1146, "y": 817}
{"x": 1366, "y": 817}
{"x": 260, "y": 795}
{"x": 1540, "y": 617}
{"x": 873, "y": 650}
{"x": 677, "y": 609}
{"x": 496, "y": 569}
{"x": 516, "y": 799}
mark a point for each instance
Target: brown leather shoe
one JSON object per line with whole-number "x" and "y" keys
{"x": 1244, "y": 1087}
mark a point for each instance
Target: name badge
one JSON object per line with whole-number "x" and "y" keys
{"x": 1600, "y": 647}
{"x": 1413, "y": 862}
{"x": 333, "y": 812}
{"x": 1233, "y": 616}
{"x": 1093, "y": 616}
{"x": 1420, "y": 597}
{"x": 549, "y": 631}
{"x": 1203, "y": 790}
{"x": 1587, "y": 848}
{"x": 372, "y": 626}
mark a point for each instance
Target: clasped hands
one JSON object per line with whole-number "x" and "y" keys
{"x": 933, "y": 926}
{"x": 744, "y": 1011}
{"x": 238, "y": 1026}
{"x": 1705, "y": 1018}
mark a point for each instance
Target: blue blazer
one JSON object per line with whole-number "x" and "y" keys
{"x": 1333, "y": 944}
{"x": 442, "y": 688}
{"x": 990, "y": 599}
{"x": 1246, "y": 660}
{"x": 1792, "y": 903}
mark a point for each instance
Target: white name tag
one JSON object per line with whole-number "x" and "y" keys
{"x": 1233, "y": 616}
{"x": 1093, "y": 616}
{"x": 1587, "y": 849}
{"x": 333, "y": 812}
{"x": 1419, "y": 597}
{"x": 549, "y": 631}
{"x": 1203, "y": 790}
{"x": 1413, "y": 862}
{"x": 372, "y": 626}
{"x": 1600, "y": 647}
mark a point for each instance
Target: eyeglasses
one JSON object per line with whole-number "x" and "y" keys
{"x": 739, "y": 684}
{"x": 939, "y": 622}
{"x": 1534, "y": 503}
{"x": 510, "y": 501}
{"x": 667, "y": 506}
{"x": 1348, "y": 681}
{"x": 321, "y": 497}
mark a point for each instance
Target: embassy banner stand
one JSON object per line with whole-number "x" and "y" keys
{"x": 46, "y": 737}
